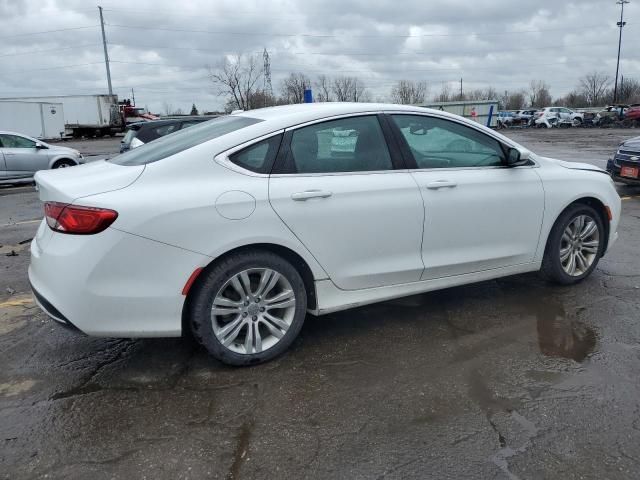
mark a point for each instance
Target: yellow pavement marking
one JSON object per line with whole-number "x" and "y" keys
{"x": 16, "y": 302}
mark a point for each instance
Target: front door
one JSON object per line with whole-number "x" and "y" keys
{"x": 22, "y": 158}
{"x": 338, "y": 190}
{"x": 479, "y": 214}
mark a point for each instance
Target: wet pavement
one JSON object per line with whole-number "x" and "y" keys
{"x": 509, "y": 379}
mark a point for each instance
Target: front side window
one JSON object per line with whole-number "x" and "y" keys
{"x": 182, "y": 140}
{"x": 14, "y": 141}
{"x": 258, "y": 157}
{"x": 438, "y": 143}
{"x": 354, "y": 144}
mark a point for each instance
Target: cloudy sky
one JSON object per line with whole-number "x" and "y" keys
{"x": 162, "y": 48}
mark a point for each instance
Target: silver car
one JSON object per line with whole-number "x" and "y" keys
{"x": 22, "y": 156}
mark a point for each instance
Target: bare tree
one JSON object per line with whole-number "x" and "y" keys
{"x": 444, "y": 95}
{"x": 323, "y": 86}
{"x": 539, "y": 95}
{"x": 408, "y": 92}
{"x": 293, "y": 87}
{"x": 349, "y": 89}
{"x": 628, "y": 91}
{"x": 593, "y": 87}
{"x": 167, "y": 108}
{"x": 513, "y": 100}
{"x": 237, "y": 77}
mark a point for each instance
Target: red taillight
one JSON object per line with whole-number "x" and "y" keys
{"x": 66, "y": 218}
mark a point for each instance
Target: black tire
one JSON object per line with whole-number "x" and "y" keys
{"x": 210, "y": 283}
{"x": 64, "y": 164}
{"x": 552, "y": 269}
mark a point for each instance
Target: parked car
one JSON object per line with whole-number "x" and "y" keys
{"x": 610, "y": 115}
{"x": 555, "y": 116}
{"x": 625, "y": 165}
{"x": 140, "y": 133}
{"x": 633, "y": 114}
{"x": 525, "y": 116}
{"x": 506, "y": 119}
{"x": 235, "y": 229}
{"x": 22, "y": 156}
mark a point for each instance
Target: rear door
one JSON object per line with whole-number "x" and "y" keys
{"x": 479, "y": 214}
{"x": 343, "y": 192}
{"x": 21, "y": 157}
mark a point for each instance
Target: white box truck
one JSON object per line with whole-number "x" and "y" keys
{"x": 85, "y": 115}
{"x": 43, "y": 120}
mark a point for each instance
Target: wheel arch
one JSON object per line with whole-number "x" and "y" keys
{"x": 600, "y": 208}
{"x": 57, "y": 160}
{"x": 288, "y": 254}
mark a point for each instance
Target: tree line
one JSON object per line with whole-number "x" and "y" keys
{"x": 240, "y": 79}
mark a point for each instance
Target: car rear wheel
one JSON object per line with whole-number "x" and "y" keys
{"x": 63, "y": 164}
{"x": 575, "y": 245}
{"x": 248, "y": 308}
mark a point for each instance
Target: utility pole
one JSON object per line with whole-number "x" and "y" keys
{"x": 460, "y": 89}
{"x": 106, "y": 54}
{"x": 621, "y": 24}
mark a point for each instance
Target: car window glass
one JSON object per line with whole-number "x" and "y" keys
{"x": 183, "y": 139}
{"x": 166, "y": 129}
{"x": 14, "y": 141}
{"x": 353, "y": 144}
{"x": 438, "y": 143}
{"x": 259, "y": 156}
{"x": 190, "y": 123}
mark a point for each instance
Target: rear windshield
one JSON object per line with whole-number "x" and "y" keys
{"x": 182, "y": 140}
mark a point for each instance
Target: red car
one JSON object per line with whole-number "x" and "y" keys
{"x": 633, "y": 113}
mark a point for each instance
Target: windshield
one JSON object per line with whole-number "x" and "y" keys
{"x": 182, "y": 140}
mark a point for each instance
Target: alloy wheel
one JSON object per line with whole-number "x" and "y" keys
{"x": 253, "y": 310}
{"x": 579, "y": 245}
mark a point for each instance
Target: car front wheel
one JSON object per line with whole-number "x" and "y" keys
{"x": 575, "y": 245}
{"x": 248, "y": 308}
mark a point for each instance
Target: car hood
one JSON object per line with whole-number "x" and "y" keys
{"x": 576, "y": 165}
{"x": 68, "y": 184}
{"x": 632, "y": 143}
{"x": 56, "y": 150}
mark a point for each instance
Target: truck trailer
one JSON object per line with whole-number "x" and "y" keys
{"x": 85, "y": 115}
{"x": 43, "y": 120}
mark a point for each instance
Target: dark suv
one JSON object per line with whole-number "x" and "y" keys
{"x": 144, "y": 132}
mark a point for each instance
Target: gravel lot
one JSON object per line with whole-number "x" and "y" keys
{"x": 511, "y": 378}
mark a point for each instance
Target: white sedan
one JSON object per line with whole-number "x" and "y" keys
{"x": 236, "y": 228}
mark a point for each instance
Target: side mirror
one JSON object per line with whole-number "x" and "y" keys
{"x": 41, "y": 146}
{"x": 417, "y": 129}
{"x": 516, "y": 158}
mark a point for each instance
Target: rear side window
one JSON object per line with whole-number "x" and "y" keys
{"x": 258, "y": 157}
{"x": 182, "y": 140}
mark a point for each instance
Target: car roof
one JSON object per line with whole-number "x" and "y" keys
{"x": 288, "y": 115}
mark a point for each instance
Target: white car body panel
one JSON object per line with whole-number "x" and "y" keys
{"x": 464, "y": 235}
{"x": 375, "y": 220}
{"x": 181, "y": 213}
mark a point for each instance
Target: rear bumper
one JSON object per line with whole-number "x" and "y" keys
{"x": 52, "y": 311}
{"x": 112, "y": 284}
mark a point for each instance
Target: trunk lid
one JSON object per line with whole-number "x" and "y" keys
{"x": 69, "y": 184}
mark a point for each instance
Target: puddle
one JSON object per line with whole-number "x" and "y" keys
{"x": 560, "y": 335}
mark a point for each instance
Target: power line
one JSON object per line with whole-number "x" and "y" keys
{"x": 51, "y": 68}
{"x": 48, "y": 31}
{"x": 35, "y": 52}
{"x": 352, "y": 35}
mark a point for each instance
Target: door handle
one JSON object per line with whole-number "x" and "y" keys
{"x": 306, "y": 195}
{"x": 441, "y": 184}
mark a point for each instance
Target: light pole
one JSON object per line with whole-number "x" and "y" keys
{"x": 621, "y": 24}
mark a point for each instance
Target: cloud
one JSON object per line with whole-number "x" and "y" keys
{"x": 161, "y": 49}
